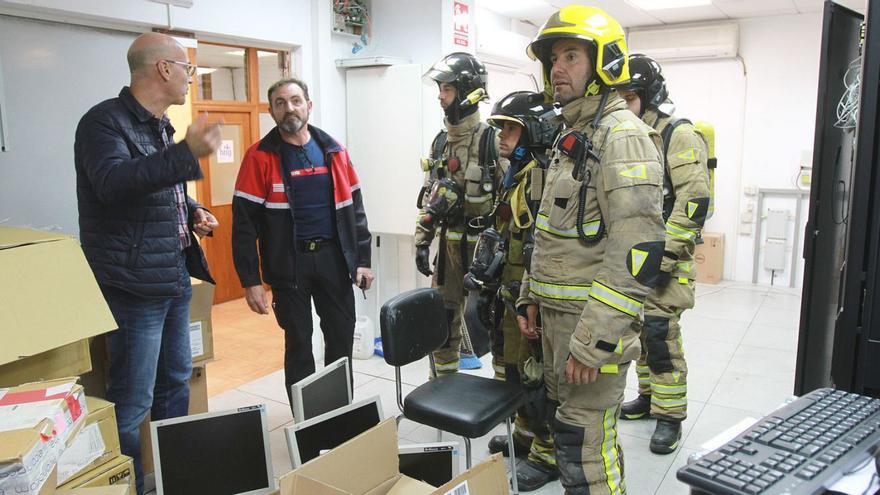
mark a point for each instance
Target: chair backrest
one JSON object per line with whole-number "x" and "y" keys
{"x": 413, "y": 324}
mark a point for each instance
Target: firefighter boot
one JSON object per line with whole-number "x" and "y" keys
{"x": 498, "y": 443}
{"x": 666, "y": 436}
{"x": 638, "y": 408}
{"x": 531, "y": 475}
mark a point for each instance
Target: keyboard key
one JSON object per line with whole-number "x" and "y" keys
{"x": 706, "y": 473}
{"x": 730, "y": 481}
{"x": 809, "y": 450}
{"x": 713, "y": 457}
{"x": 746, "y": 478}
{"x": 826, "y": 458}
{"x": 725, "y": 463}
{"x": 752, "y": 489}
{"x": 762, "y": 483}
{"x": 805, "y": 475}
{"x": 739, "y": 468}
{"x": 790, "y": 446}
{"x": 754, "y": 473}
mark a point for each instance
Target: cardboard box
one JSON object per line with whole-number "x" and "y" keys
{"x": 27, "y": 459}
{"x": 96, "y": 444}
{"x": 68, "y": 360}
{"x": 48, "y": 283}
{"x": 709, "y": 259}
{"x": 201, "y": 337}
{"x": 381, "y": 476}
{"x": 118, "y": 472}
{"x": 198, "y": 403}
{"x": 100, "y": 490}
{"x": 37, "y": 423}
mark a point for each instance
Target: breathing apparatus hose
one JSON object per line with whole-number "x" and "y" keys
{"x": 586, "y": 176}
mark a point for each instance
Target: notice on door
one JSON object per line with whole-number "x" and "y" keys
{"x": 225, "y": 153}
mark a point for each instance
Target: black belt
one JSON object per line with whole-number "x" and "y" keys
{"x": 312, "y": 245}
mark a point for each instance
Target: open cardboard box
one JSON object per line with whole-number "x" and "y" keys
{"x": 49, "y": 297}
{"x": 343, "y": 471}
{"x": 37, "y": 423}
{"x": 96, "y": 444}
{"x": 119, "y": 471}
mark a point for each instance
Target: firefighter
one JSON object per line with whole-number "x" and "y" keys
{"x": 598, "y": 244}
{"x": 661, "y": 367}
{"x": 502, "y": 255}
{"x": 459, "y": 192}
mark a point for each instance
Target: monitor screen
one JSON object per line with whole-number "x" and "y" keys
{"x": 306, "y": 440}
{"x": 323, "y": 391}
{"x": 434, "y": 463}
{"x": 222, "y": 453}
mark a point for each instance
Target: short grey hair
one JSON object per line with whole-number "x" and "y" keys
{"x": 285, "y": 82}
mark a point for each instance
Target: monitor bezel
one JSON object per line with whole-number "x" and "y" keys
{"x": 290, "y": 431}
{"x": 157, "y": 460}
{"x": 296, "y": 398}
{"x": 419, "y": 448}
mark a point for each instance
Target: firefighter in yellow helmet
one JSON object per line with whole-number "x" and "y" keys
{"x": 458, "y": 195}
{"x": 662, "y": 368}
{"x": 599, "y": 242}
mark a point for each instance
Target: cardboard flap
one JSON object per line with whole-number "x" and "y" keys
{"x": 378, "y": 445}
{"x": 11, "y": 237}
{"x": 303, "y": 485}
{"x": 405, "y": 485}
{"x": 486, "y": 478}
{"x": 52, "y": 298}
{"x": 15, "y": 444}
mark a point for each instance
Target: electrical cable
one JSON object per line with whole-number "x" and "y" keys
{"x": 848, "y": 106}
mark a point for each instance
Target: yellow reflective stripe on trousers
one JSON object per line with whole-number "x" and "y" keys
{"x": 610, "y": 454}
{"x": 680, "y": 232}
{"x": 456, "y": 236}
{"x": 543, "y": 223}
{"x": 668, "y": 403}
{"x": 615, "y": 299}
{"x": 669, "y": 389}
{"x": 559, "y": 291}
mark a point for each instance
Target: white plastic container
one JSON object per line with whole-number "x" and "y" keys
{"x": 364, "y": 333}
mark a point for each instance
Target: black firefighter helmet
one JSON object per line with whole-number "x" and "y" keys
{"x": 466, "y": 74}
{"x": 529, "y": 110}
{"x": 647, "y": 81}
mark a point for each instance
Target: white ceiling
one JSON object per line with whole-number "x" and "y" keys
{"x": 537, "y": 11}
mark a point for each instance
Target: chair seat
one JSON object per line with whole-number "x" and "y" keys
{"x": 463, "y": 404}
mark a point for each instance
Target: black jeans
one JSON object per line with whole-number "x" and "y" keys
{"x": 321, "y": 275}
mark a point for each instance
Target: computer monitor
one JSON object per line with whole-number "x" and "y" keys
{"x": 323, "y": 391}
{"x": 306, "y": 440}
{"x": 221, "y": 453}
{"x": 434, "y": 463}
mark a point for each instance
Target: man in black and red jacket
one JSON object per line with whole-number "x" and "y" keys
{"x": 299, "y": 197}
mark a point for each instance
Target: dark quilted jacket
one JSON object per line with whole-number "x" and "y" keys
{"x": 126, "y": 167}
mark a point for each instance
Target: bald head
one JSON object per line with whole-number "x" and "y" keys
{"x": 150, "y": 48}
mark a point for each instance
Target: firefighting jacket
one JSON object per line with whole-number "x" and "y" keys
{"x": 688, "y": 176}
{"x": 607, "y": 278}
{"x": 463, "y": 142}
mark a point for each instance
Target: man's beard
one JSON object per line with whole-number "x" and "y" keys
{"x": 292, "y": 124}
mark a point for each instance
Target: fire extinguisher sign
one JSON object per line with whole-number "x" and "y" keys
{"x": 461, "y": 23}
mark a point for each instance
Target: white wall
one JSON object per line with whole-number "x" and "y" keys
{"x": 763, "y": 108}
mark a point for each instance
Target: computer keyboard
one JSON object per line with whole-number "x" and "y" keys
{"x": 801, "y": 448}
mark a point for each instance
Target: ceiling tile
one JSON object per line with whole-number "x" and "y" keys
{"x": 756, "y": 8}
{"x": 690, "y": 14}
{"x": 627, "y": 15}
{"x": 804, "y": 6}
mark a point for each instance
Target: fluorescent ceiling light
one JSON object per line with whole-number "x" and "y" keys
{"x": 667, "y": 4}
{"x": 260, "y": 53}
{"x": 506, "y": 7}
{"x": 201, "y": 71}
{"x": 236, "y": 53}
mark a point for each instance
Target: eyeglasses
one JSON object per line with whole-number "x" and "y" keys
{"x": 190, "y": 68}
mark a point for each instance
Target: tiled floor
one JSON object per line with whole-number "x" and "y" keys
{"x": 740, "y": 341}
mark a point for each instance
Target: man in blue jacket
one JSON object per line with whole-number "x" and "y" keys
{"x": 137, "y": 228}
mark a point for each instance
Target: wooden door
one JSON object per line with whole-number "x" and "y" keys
{"x": 215, "y": 192}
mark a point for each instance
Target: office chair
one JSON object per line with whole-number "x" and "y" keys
{"x": 413, "y": 325}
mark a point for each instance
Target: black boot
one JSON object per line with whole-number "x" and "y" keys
{"x": 638, "y": 408}
{"x": 531, "y": 475}
{"x": 666, "y": 436}
{"x": 498, "y": 443}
